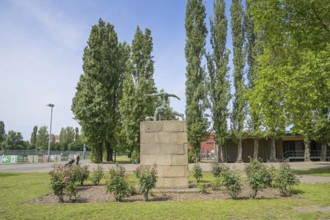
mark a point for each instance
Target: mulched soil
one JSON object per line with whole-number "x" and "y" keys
{"x": 98, "y": 194}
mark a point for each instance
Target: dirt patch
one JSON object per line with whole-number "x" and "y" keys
{"x": 325, "y": 209}
{"x": 98, "y": 194}
{"x": 314, "y": 179}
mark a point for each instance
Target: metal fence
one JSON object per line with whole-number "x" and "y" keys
{"x": 291, "y": 155}
{"x": 38, "y": 156}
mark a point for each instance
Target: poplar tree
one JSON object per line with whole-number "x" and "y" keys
{"x": 2, "y": 132}
{"x": 33, "y": 139}
{"x": 238, "y": 116}
{"x": 135, "y": 105}
{"x": 252, "y": 50}
{"x": 196, "y": 91}
{"x": 95, "y": 104}
{"x": 218, "y": 73}
{"x": 42, "y": 138}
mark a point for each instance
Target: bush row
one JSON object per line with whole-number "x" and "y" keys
{"x": 259, "y": 177}
{"x": 64, "y": 181}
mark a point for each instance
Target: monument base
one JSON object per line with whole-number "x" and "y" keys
{"x": 165, "y": 144}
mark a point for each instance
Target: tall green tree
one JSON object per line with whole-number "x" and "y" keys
{"x": 13, "y": 141}
{"x": 135, "y": 105}
{"x": 196, "y": 91}
{"x": 238, "y": 38}
{"x": 2, "y": 132}
{"x": 33, "y": 139}
{"x": 67, "y": 138}
{"x": 295, "y": 64}
{"x": 95, "y": 104}
{"x": 252, "y": 50}
{"x": 218, "y": 74}
{"x": 42, "y": 138}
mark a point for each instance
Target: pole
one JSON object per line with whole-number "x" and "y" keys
{"x": 50, "y": 129}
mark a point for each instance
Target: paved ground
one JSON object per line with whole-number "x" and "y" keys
{"x": 46, "y": 167}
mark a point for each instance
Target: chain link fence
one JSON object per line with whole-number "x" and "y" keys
{"x": 38, "y": 156}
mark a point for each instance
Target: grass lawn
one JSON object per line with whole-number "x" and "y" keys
{"x": 16, "y": 188}
{"x": 324, "y": 171}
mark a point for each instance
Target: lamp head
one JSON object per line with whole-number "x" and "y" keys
{"x": 50, "y": 105}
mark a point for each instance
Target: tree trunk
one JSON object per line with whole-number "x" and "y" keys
{"x": 307, "y": 155}
{"x": 323, "y": 151}
{"x": 109, "y": 151}
{"x": 220, "y": 150}
{"x": 239, "y": 151}
{"x": 272, "y": 157}
{"x": 255, "y": 148}
{"x": 98, "y": 154}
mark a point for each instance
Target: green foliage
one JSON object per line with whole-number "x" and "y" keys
{"x": 238, "y": 27}
{"x": 285, "y": 179}
{"x": 293, "y": 58}
{"x": 95, "y": 104}
{"x": 29, "y": 186}
{"x": 216, "y": 184}
{"x": 135, "y": 105}
{"x": 97, "y": 175}
{"x": 135, "y": 156}
{"x": 13, "y": 141}
{"x": 202, "y": 188}
{"x": 33, "y": 139}
{"x": 147, "y": 176}
{"x": 42, "y": 138}
{"x": 259, "y": 176}
{"x": 217, "y": 64}
{"x": 118, "y": 184}
{"x": 197, "y": 172}
{"x": 191, "y": 157}
{"x": 2, "y": 131}
{"x": 217, "y": 169}
{"x": 63, "y": 182}
{"x": 231, "y": 180}
{"x": 196, "y": 85}
{"x": 79, "y": 174}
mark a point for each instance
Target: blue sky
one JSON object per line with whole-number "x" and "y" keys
{"x": 41, "y": 48}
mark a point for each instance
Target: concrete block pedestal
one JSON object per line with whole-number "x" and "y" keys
{"x": 165, "y": 143}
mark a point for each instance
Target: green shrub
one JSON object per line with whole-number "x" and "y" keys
{"x": 57, "y": 184}
{"x": 284, "y": 179}
{"x": 202, "y": 188}
{"x": 259, "y": 177}
{"x": 197, "y": 172}
{"x": 231, "y": 181}
{"x": 62, "y": 183}
{"x": 147, "y": 177}
{"x": 217, "y": 169}
{"x": 118, "y": 184}
{"x": 92, "y": 157}
{"x": 97, "y": 175}
{"x": 79, "y": 174}
{"x": 252, "y": 167}
{"x": 216, "y": 184}
{"x": 191, "y": 157}
{"x": 71, "y": 190}
{"x": 135, "y": 157}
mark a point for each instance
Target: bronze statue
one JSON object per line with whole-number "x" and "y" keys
{"x": 164, "y": 106}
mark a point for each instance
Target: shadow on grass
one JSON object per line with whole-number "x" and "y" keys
{"x": 9, "y": 174}
{"x": 297, "y": 192}
{"x": 313, "y": 171}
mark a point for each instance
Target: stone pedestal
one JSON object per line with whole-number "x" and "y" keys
{"x": 165, "y": 143}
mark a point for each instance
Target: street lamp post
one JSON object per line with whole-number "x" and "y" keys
{"x": 50, "y": 129}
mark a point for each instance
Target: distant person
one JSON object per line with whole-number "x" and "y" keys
{"x": 77, "y": 158}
